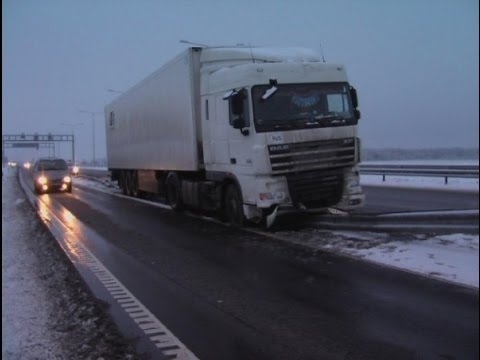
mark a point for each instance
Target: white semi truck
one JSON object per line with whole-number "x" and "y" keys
{"x": 243, "y": 131}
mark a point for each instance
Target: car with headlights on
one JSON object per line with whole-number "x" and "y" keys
{"x": 51, "y": 174}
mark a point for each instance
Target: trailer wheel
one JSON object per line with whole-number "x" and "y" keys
{"x": 133, "y": 184}
{"x": 128, "y": 183}
{"x": 233, "y": 206}
{"x": 122, "y": 182}
{"x": 136, "y": 190}
{"x": 174, "y": 194}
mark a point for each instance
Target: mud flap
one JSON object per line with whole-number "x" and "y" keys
{"x": 270, "y": 219}
{"x": 252, "y": 213}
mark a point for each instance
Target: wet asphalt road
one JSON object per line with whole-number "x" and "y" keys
{"x": 230, "y": 294}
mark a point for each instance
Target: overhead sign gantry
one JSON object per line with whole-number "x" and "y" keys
{"x": 35, "y": 141}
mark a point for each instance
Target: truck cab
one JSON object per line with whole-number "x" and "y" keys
{"x": 284, "y": 127}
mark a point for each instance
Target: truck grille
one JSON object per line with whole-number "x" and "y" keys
{"x": 314, "y": 155}
{"x": 314, "y": 170}
{"x": 316, "y": 189}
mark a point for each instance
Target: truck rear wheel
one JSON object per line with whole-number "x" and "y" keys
{"x": 133, "y": 184}
{"x": 233, "y": 206}
{"x": 122, "y": 182}
{"x": 174, "y": 194}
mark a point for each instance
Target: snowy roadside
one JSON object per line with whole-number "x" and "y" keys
{"x": 47, "y": 312}
{"x": 450, "y": 257}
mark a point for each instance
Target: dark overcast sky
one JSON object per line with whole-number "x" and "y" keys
{"x": 414, "y": 62}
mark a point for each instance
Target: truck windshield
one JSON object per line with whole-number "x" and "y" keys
{"x": 299, "y": 106}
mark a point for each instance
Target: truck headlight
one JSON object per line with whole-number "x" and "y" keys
{"x": 67, "y": 179}
{"x": 277, "y": 195}
{"x": 358, "y": 146}
{"x": 353, "y": 182}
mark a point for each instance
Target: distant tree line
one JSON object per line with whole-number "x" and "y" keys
{"x": 420, "y": 154}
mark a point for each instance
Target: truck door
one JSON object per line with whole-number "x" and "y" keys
{"x": 226, "y": 135}
{"x": 240, "y": 134}
{"x": 215, "y": 137}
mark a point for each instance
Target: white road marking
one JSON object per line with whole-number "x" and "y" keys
{"x": 158, "y": 333}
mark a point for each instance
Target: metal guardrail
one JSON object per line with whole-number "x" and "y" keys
{"x": 445, "y": 171}
{"x": 95, "y": 172}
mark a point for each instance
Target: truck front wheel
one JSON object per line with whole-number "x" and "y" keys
{"x": 174, "y": 192}
{"x": 233, "y": 206}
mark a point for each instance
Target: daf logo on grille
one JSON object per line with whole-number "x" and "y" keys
{"x": 347, "y": 141}
{"x": 279, "y": 148}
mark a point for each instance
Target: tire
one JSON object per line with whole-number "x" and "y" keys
{"x": 134, "y": 184}
{"x": 174, "y": 194}
{"x": 69, "y": 190}
{"x": 122, "y": 183}
{"x": 129, "y": 183}
{"x": 233, "y": 206}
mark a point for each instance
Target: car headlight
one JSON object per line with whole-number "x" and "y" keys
{"x": 75, "y": 170}
{"x": 67, "y": 179}
{"x": 42, "y": 180}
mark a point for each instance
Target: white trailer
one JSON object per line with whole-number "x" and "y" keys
{"x": 243, "y": 131}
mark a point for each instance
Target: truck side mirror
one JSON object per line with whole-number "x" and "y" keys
{"x": 357, "y": 114}
{"x": 238, "y": 123}
{"x": 237, "y": 103}
{"x": 238, "y": 118}
{"x": 353, "y": 94}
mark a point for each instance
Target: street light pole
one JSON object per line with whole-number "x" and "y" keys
{"x": 192, "y": 43}
{"x": 114, "y": 91}
{"x": 72, "y": 125}
{"x": 92, "y": 113}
